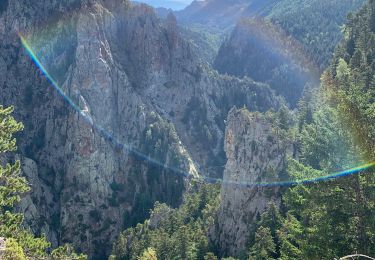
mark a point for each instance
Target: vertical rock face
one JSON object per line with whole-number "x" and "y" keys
{"x": 34, "y": 211}
{"x": 256, "y": 155}
{"x": 86, "y": 186}
{"x": 135, "y": 100}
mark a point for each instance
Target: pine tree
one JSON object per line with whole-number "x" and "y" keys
{"x": 66, "y": 252}
{"x": 283, "y": 117}
{"x": 271, "y": 219}
{"x": 148, "y": 254}
{"x": 264, "y": 246}
{"x": 20, "y": 243}
{"x": 290, "y": 237}
{"x": 13, "y": 251}
{"x": 12, "y": 185}
{"x": 210, "y": 256}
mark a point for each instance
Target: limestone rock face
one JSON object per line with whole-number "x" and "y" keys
{"x": 133, "y": 114}
{"x": 34, "y": 210}
{"x": 256, "y": 155}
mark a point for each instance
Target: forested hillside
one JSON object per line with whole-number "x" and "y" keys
{"x": 173, "y": 233}
{"x": 288, "y": 46}
{"x": 335, "y": 218}
{"x": 316, "y": 24}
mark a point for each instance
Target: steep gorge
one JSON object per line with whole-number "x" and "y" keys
{"x": 144, "y": 102}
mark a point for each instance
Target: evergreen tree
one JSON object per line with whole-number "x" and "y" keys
{"x": 290, "y": 235}
{"x": 264, "y": 247}
{"x": 148, "y": 254}
{"x": 283, "y": 117}
{"x": 178, "y": 233}
{"x": 12, "y": 186}
{"x": 271, "y": 219}
{"x": 13, "y": 251}
{"x": 210, "y": 256}
{"x": 20, "y": 243}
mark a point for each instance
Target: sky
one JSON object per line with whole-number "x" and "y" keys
{"x": 173, "y": 4}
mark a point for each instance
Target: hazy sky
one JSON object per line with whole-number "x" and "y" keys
{"x": 173, "y": 4}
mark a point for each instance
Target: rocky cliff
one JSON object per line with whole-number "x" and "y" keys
{"x": 133, "y": 114}
{"x": 257, "y": 152}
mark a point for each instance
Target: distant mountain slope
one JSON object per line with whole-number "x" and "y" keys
{"x": 215, "y": 13}
{"x": 288, "y": 46}
{"x": 316, "y": 23}
{"x": 168, "y": 4}
{"x": 262, "y": 51}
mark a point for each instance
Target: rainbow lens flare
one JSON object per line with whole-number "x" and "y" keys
{"x": 105, "y": 133}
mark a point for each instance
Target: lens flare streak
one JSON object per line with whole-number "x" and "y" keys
{"x": 105, "y": 134}
{"x": 327, "y": 177}
{"x": 131, "y": 150}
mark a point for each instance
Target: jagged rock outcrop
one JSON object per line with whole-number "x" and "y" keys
{"x": 139, "y": 113}
{"x": 256, "y": 155}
